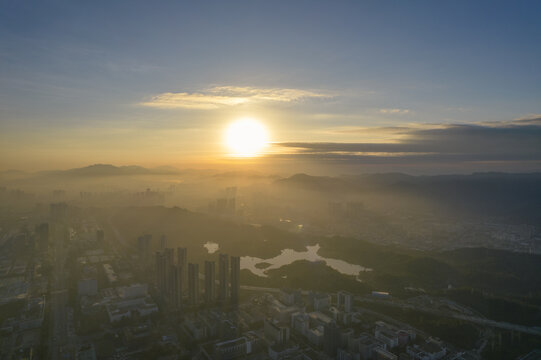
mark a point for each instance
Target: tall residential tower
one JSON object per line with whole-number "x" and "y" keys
{"x": 210, "y": 281}
{"x": 235, "y": 279}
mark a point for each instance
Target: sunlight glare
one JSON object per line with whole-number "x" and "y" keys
{"x": 246, "y": 138}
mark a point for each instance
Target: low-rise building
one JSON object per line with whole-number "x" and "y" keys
{"x": 87, "y": 287}
{"x": 382, "y": 354}
{"x": 243, "y": 346}
{"x": 283, "y": 351}
{"x": 126, "y": 308}
{"x": 276, "y": 333}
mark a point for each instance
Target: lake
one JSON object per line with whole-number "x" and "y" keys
{"x": 259, "y": 266}
{"x": 211, "y": 247}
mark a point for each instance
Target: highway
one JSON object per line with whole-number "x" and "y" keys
{"x": 473, "y": 319}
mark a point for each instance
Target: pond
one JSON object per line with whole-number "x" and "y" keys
{"x": 260, "y": 267}
{"x": 211, "y": 247}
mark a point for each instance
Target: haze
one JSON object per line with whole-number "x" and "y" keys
{"x": 270, "y": 180}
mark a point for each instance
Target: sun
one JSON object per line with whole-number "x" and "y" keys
{"x": 246, "y": 138}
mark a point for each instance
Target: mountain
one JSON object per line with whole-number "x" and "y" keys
{"x": 107, "y": 170}
{"x": 12, "y": 174}
{"x": 97, "y": 170}
{"x": 318, "y": 183}
{"x": 494, "y": 194}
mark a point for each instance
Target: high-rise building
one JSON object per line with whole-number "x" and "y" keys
{"x": 177, "y": 280}
{"x": 210, "y": 281}
{"x": 231, "y": 206}
{"x": 331, "y": 339}
{"x": 345, "y": 301}
{"x": 42, "y": 231}
{"x": 59, "y": 211}
{"x": 182, "y": 256}
{"x": 223, "y": 268}
{"x": 169, "y": 262}
{"x": 163, "y": 243}
{"x": 221, "y": 206}
{"x": 235, "y": 279}
{"x": 160, "y": 271}
{"x": 144, "y": 248}
{"x": 182, "y": 260}
{"x": 193, "y": 283}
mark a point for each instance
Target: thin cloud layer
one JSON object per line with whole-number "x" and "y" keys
{"x": 220, "y": 96}
{"x": 514, "y": 141}
{"x": 394, "y": 111}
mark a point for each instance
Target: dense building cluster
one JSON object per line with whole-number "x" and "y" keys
{"x": 177, "y": 280}
{"x": 71, "y": 287}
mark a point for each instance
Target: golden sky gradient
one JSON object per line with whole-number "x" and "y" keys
{"x": 358, "y": 86}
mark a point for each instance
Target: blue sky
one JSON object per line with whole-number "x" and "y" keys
{"x": 77, "y": 75}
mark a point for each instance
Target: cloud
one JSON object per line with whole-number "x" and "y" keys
{"x": 394, "y": 111}
{"x": 529, "y": 119}
{"x": 220, "y": 96}
{"x": 192, "y": 101}
{"x": 513, "y": 141}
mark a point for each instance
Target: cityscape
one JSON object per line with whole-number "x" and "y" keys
{"x": 270, "y": 180}
{"x": 74, "y": 288}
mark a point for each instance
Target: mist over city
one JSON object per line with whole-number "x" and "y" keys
{"x": 311, "y": 180}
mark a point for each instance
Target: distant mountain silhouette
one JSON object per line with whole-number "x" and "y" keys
{"x": 244, "y": 174}
{"x": 317, "y": 183}
{"x": 398, "y": 181}
{"x": 107, "y": 170}
{"x": 513, "y": 195}
{"x": 97, "y": 170}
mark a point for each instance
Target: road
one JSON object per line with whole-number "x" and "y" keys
{"x": 473, "y": 319}
{"x": 59, "y": 334}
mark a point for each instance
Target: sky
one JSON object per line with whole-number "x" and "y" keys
{"x": 341, "y": 86}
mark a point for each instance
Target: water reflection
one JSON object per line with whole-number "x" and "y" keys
{"x": 211, "y": 247}
{"x": 260, "y": 266}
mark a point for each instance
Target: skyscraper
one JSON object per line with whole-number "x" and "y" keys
{"x": 182, "y": 256}
{"x": 331, "y": 339}
{"x": 177, "y": 280}
{"x": 235, "y": 278}
{"x": 210, "y": 281}
{"x": 345, "y": 301}
{"x": 144, "y": 248}
{"x": 163, "y": 242}
{"x": 160, "y": 271}
{"x": 193, "y": 283}
{"x": 169, "y": 262}
{"x": 43, "y": 236}
{"x": 59, "y": 211}
{"x": 223, "y": 268}
{"x": 182, "y": 260}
